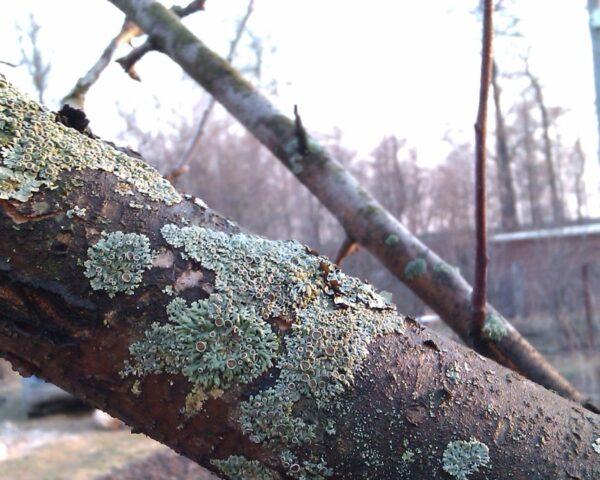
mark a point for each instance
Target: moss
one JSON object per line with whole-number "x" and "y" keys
{"x": 415, "y": 268}
{"x": 236, "y": 467}
{"x": 117, "y": 261}
{"x": 462, "y": 458}
{"x": 330, "y": 320}
{"x": 494, "y": 327}
{"x": 35, "y": 150}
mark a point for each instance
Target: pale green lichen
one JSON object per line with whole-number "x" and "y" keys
{"x": 117, "y": 261}
{"x": 462, "y": 458}
{"x": 35, "y": 150}
{"x": 415, "y": 268}
{"x": 203, "y": 341}
{"x": 329, "y": 321}
{"x": 76, "y": 212}
{"x": 236, "y": 467}
{"x": 494, "y": 327}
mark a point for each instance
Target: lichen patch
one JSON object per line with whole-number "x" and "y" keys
{"x": 35, "y": 150}
{"x": 462, "y": 458}
{"x": 117, "y": 261}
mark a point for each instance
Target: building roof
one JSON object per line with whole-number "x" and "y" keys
{"x": 585, "y": 230}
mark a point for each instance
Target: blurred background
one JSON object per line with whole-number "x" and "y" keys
{"x": 390, "y": 89}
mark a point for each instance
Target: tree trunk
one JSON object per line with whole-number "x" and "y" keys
{"x": 594, "y": 13}
{"x": 533, "y": 191}
{"x": 258, "y": 359}
{"x": 557, "y": 207}
{"x": 508, "y": 202}
{"x": 438, "y": 284}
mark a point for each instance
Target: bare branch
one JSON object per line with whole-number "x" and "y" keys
{"x": 348, "y": 248}
{"x": 129, "y": 61}
{"x": 76, "y": 97}
{"x": 481, "y": 259}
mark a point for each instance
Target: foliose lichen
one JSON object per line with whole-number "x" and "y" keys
{"x": 415, "y": 268}
{"x": 494, "y": 327}
{"x": 237, "y": 467}
{"x": 35, "y": 150}
{"x": 211, "y": 342}
{"x": 462, "y": 458}
{"x": 291, "y": 309}
{"x": 117, "y": 261}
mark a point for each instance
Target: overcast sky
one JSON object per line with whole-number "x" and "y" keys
{"x": 370, "y": 68}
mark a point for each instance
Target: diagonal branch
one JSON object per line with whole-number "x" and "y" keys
{"x": 438, "y": 284}
{"x": 129, "y": 61}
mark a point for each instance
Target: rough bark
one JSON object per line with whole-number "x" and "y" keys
{"x": 438, "y": 284}
{"x": 508, "y": 202}
{"x": 96, "y": 315}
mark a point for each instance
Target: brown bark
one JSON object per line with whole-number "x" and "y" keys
{"x": 412, "y": 394}
{"x": 434, "y": 281}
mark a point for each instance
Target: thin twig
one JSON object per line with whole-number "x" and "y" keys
{"x": 129, "y": 61}
{"x": 9, "y": 64}
{"x": 301, "y": 136}
{"x": 76, "y": 97}
{"x": 348, "y": 248}
{"x": 478, "y": 299}
{"x": 183, "y": 165}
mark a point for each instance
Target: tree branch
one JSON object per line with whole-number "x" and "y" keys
{"x": 129, "y": 30}
{"x": 255, "y": 358}
{"x": 129, "y": 61}
{"x": 434, "y": 281}
{"x": 478, "y": 300}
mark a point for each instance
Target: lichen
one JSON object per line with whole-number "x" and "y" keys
{"x": 596, "y": 445}
{"x": 212, "y": 342}
{"x": 415, "y": 268}
{"x": 494, "y": 327}
{"x": 392, "y": 240}
{"x": 76, "y": 212}
{"x": 462, "y": 458}
{"x": 117, "y": 261}
{"x": 293, "y": 310}
{"x": 236, "y": 467}
{"x": 35, "y": 150}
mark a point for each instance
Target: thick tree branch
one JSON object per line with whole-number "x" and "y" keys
{"x": 478, "y": 299}
{"x": 438, "y": 284}
{"x": 255, "y": 358}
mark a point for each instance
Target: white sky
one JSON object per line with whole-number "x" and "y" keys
{"x": 408, "y": 68}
